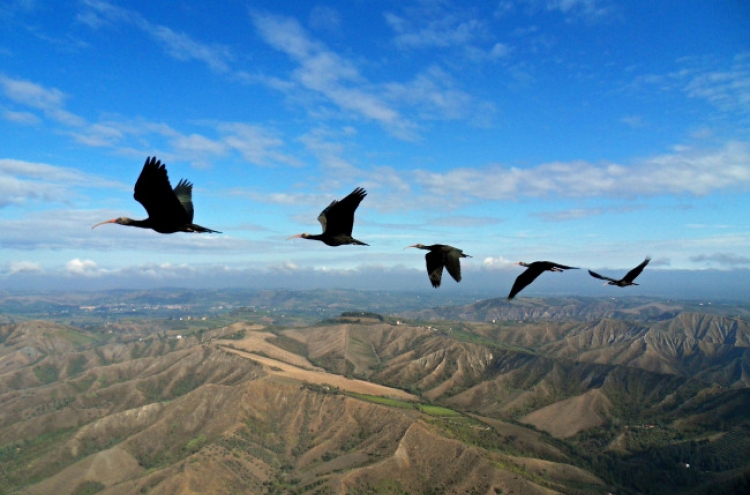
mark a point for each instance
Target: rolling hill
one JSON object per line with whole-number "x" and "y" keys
{"x": 372, "y": 404}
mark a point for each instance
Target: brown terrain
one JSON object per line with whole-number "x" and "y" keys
{"x": 368, "y": 406}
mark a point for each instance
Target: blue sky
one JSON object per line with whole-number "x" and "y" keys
{"x": 588, "y": 132}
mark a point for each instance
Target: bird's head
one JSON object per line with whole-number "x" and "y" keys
{"x": 119, "y": 220}
{"x": 521, "y": 263}
{"x": 304, "y": 235}
{"x": 418, "y": 246}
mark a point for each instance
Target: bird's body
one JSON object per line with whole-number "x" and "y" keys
{"x": 169, "y": 210}
{"x": 627, "y": 279}
{"x": 440, "y": 256}
{"x": 338, "y": 221}
{"x": 533, "y": 270}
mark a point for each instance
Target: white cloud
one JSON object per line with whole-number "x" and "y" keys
{"x": 286, "y": 267}
{"x": 22, "y": 182}
{"x": 329, "y": 75}
{"x": 634, "y": 121}
{"x": 728, "y": 89}
{"x": 576, "y": 213}
{"x": 442, "y": 30}
{"x": 724, "y": 84}
{"x": 685, "y": 171}
{"x": 178, "y": 45}
{"x": 256, "y": 144}
{"x": 432, "y": 94}
{"x": 49, "y": 101}
{"x": 500, "y": 50}
{"x": 496, "y": 263}
{"x": 587, "y": 9}
{"x": 183, "y": 47}
{"x": 82, "y": 267}
{"x": 27, "y": 118}
{"x": 16, "y": 267}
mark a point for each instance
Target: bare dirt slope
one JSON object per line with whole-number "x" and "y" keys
{"x": 320, "y": 377}
{"x": 109, "y": 467}
{"x": 257, "y": 340}
{"x": 566, "y": 418}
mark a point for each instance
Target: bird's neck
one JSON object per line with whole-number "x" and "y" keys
{"x": 144, "y": 224}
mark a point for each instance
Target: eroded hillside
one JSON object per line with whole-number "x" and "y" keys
{"x": 365, "y": 404}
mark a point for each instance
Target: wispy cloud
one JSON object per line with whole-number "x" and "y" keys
{"x": 585, "y": 9}
{"x": 686, "y": 171}
{"x": 436, "y": 97}
{"x": 98, "y": 14}
{"x": 577, "y": 213}
{"x": 464, "y": 221}
{"x": 20, "y": 267}
{"x": 256, "y": 144}
{"x": 728, "y": 89}
{"x": 26, "y": 118}
{"x": 462, "y": 33}
{"x": 724, "y": 84}
{"x": 723, "y": 259}
{"x": 22, "y": 182}
{"x": 634, "y": 121}
{"x": 50, "y": 101}
{"x": 183, "y": 47}
{"x": 432, "y": 94}
{"x": 441, "y": 30}
{"x": 330, "y": 75}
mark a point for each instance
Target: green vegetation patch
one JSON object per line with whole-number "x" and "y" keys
{"x": 76, "y": 338}
{"x": 76, "y": 365}
{"x": 435, "y": 411}
{"x": 383, "y": 400}
{"x": 47, "y": 373}
{"x": 438, "y": 411}
{"x": 17, "y": 458}
{"x": 196, "y": 443}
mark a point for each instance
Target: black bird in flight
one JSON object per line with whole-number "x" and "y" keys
{"x": 627, "y": 279}
{"x": 169, "y": 210}
{"x": 337, "y": 221}
{"x": 533, "y": 270}
{"x": 440, "y": 256}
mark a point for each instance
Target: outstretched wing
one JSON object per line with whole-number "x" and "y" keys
{"x": 184, "y": 193}
{"x": 602, "y": 277}
{"x": 435, "y": 267}
{"x": 338, "y": 217}
{"x": 452, "y": 260}
{"x": 630, "y": 276}
{"x": 524, "y": 279}
{"x": 323, "y": 217}
{"x": 153, "y": 191}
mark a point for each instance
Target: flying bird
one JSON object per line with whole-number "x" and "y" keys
{"x": 337, "y": 221}
{"x": 533, "y": 270}
{"x": 627, "y": 279}
{"x": 440, "y": 256}
{"x": 169, "y": 210}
